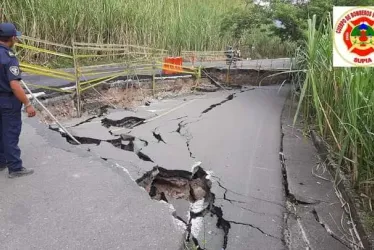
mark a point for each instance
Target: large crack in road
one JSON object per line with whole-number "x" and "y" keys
{"x": 125, "y": 142}
{"x": 127, "y": 122}
{"x": 184, "y": 132}
{"x": 299, "y": 211}
{"x": 158, "y": 136}
{"x": 329, "y": 231}
{"x": 193, "y": 187}
{"x": 229, "y": 98}
{"x": 188, "y": 191}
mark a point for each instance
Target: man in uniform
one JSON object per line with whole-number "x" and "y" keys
{"x": 12, "y": 96}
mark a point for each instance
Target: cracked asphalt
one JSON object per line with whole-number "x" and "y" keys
{"x": 74, "y": 200}
{"x": 236, "y": 136}
{"x": 86, "y": 197}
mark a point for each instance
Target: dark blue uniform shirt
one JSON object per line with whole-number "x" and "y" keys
{"x": 9, "y": 68}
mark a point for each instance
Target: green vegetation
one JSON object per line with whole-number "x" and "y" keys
{"x": 174, "y": 25}
{"x": 169, "y": 24}
{"x": 294, "y": 15}
{"x": 339, "y": 103}
{"x": 265, "y": 43}
{"x": 369, "y": 220}
{"x": 252, "y": 26}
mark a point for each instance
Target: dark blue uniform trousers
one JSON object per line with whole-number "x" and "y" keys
{"x": 10, "y": 130}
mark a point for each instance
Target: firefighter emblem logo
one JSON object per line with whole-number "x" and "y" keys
{"x": 353, "y": 37}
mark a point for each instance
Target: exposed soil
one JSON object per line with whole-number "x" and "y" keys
{"x": 195, "y": 189}
{"x": 116, "y": 94}
{"x": 132, "y": 93}
{"x": 248, "y": 77}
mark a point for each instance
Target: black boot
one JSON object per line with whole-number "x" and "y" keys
{"x": 20, "y": 173}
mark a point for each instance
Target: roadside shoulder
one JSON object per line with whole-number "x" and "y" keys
{"x": 316, "y": 217}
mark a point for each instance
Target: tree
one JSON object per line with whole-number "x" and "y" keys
{"x": 291, "y": 17}
{"x": 294, "y": 14}
{"x": 291, "y": 14}
{"x": 240, "y": 20}
{"x": 352, "y": 2}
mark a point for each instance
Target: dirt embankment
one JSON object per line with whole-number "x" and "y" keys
{"x": 130, "y": 94}
{"x": 119, "y": 94}
{"x": 248, "y": 76}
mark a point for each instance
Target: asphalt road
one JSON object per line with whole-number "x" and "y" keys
{"x": 87, "y": 197}
{"x": 238, "y": 143}
{"x": 77, "y": 201}
{"x": 274, "y": 64}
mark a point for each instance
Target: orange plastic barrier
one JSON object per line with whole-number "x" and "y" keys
{"x": 172, "y": 65}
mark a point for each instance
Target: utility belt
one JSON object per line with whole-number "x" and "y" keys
{"x": 6, "y": 94}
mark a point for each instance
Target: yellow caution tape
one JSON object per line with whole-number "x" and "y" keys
{"x": 45, "y": 42}
{"x": 85, "y": 45}
{"x": 124, "y": 64}
{"x": 46, "y": 69}
{"x": 103, "y": 49}
{"x": 43, "y": 50}
{"x": 37, "y": 72}
{"x": 180, "y": 71}
{"x": 93, "y": 73}
{"x": 91, "y": 56}
{"x": 98, "y": 83}
{"x": 49, "y": 88}
{"x": 104, "y": 78}
{"x": 46, "y": 73}
{"x": 115, "y": 54}
{"x": 124, "y": 49}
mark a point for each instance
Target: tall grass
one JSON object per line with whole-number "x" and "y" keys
{"x": 169, "y": 24}
{"x": 339, "y": 103}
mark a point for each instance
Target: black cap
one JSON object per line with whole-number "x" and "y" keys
{"x": 8, "y": 30}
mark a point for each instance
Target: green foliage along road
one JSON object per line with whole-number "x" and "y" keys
{"x": 170, "y": 24}
{"x": 339, "y": 104}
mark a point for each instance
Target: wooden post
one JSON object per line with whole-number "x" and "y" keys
{"x": 199, "y": 73}
{"x": 193, "y": 59}
{"x": 77, "y": 81}
{"x": 228, "y": 74}
{"x": 154, "y": 79}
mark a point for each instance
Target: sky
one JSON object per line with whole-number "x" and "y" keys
{"x": 277, "y": 23}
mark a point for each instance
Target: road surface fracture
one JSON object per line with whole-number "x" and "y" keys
{"x": 229, "y": 98}
{"x": 195, "y": 189}
{"x": 224, "y": 205}
{"x": 124, "y": 142}
{"x": 127, "y": 122}
{"x": 315, "y": 217}
{"x": 102, "y": 111}
{"x": 186, "y": 135}
{"x": 77, "y": 201}
{"x": 158, "y": 137}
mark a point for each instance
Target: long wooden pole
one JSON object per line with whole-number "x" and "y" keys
{"x": 77, "y": 81}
